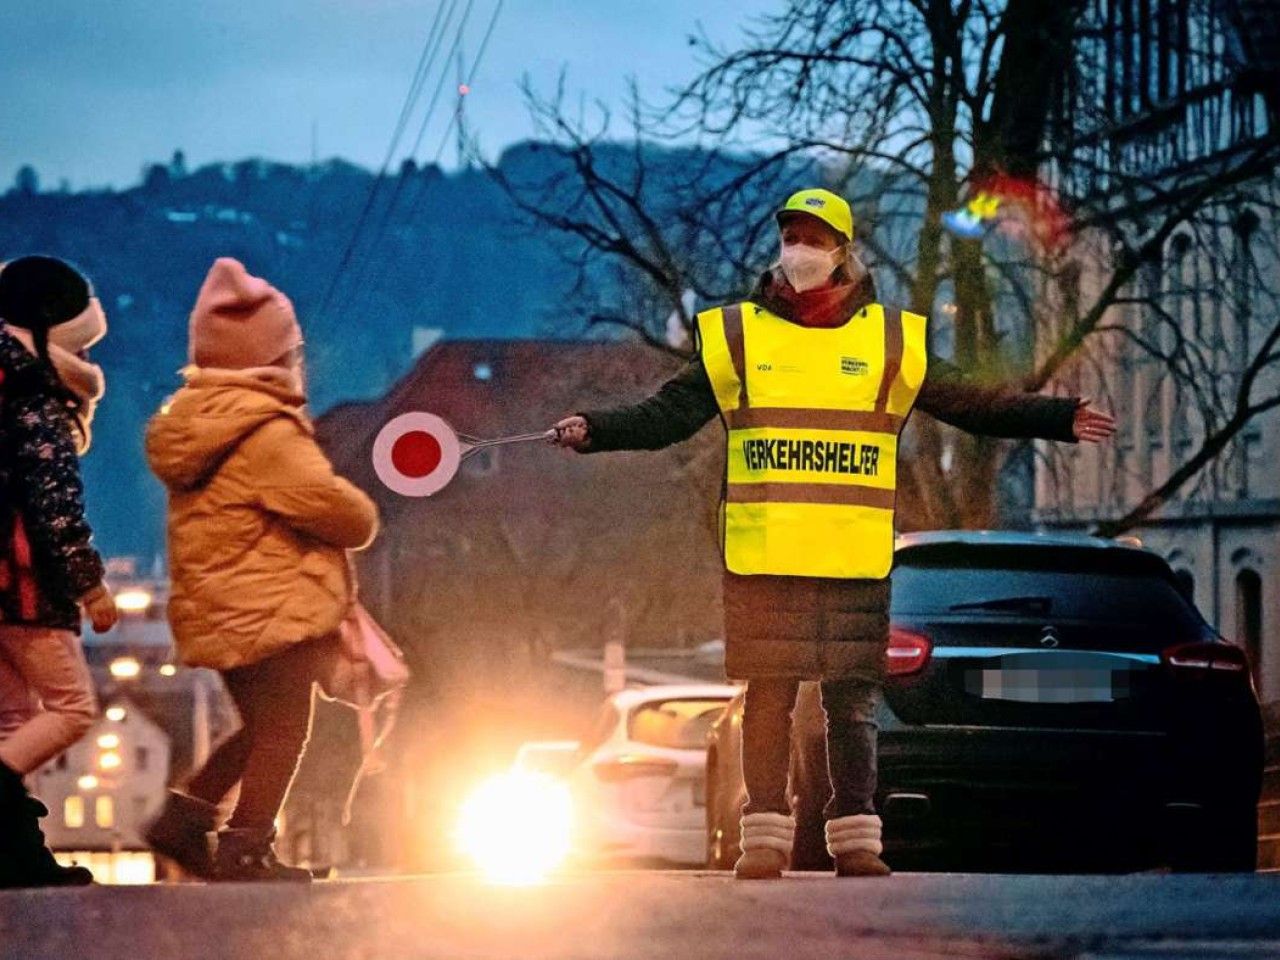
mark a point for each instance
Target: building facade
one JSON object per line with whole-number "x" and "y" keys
{"x": 1181, "y": 93}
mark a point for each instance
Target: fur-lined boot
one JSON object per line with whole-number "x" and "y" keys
{"x": 855, "y": 844}
{"x": 767, "y": 839}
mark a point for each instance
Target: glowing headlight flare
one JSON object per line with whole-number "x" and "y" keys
{"x": 517, "y": 827}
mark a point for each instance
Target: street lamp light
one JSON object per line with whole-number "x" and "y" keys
{"x": 109, "y": 760}
{"x": 133, "y": 601}
{"x": 115, "y": 714}
{"x": 125, "y": 668}
{"x": 87, "y": 782}
{"x": 109, "y": 741}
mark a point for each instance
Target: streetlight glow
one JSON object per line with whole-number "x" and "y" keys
{"x": 168, "y": 670}
{"x": 109, "y": 760}
{"x": 87, "y": 782}
{"x": 133, "y": 601}
{"x": 115, "y": 714}
{"x": 125, "y": 668}
{"x": 109, "y": 741}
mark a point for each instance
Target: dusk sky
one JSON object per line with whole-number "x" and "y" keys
{"x": 93, "y": 89}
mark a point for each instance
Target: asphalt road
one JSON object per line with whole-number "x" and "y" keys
{"x": 672, "y": 916}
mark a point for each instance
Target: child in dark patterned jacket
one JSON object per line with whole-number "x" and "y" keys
{"x": 49, "y": 570}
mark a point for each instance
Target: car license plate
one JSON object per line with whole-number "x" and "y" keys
{"x": 1030, "y": 685}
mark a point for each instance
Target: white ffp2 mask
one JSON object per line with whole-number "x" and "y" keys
{"x": 808, "y": 267}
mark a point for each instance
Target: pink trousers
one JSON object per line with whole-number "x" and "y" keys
{"x": 47, "y": 701}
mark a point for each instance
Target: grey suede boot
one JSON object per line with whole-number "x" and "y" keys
{"x": 181, "y": 833}
{"x": 767, "y": 839}
{"x": 855, "y": 844}
{"x": 247, "y": 854}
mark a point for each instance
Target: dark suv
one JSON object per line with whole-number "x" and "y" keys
{"x": 1051, "y": 702}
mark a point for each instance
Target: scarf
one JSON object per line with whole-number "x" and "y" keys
{"x": 66, "y": 347}
{"x": 830, "y": 306}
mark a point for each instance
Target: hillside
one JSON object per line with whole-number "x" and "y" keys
{"x": 452, "y": 255}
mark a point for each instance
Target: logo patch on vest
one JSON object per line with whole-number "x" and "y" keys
{"x": 817, "y": 456}
{"x": 854, "y": 367}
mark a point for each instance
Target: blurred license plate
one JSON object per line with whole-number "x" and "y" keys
{"x": 1059, "y": 685}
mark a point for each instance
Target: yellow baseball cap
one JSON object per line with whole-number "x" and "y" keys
{"x": 831, "y": 209}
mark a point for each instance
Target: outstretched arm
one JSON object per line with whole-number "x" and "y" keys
{"x": 676, "y": 412}
{"x": 998, "y": 411}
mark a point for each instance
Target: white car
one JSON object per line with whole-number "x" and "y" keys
{"x": 555, "y": 758}
{"x": 639, "y": 788}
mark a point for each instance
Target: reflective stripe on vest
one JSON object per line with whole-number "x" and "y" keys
{"x": 813, "y": 417}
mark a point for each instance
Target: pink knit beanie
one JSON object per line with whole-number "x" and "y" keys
{"x": 240, "y": 321}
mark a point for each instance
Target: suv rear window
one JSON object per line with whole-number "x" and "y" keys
{"x": 674, "y": 724}
{"x": 1074, "y": 585}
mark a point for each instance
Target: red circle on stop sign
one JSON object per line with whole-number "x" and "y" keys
{"x": 416, "y": 454}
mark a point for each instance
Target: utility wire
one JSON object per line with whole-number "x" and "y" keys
{"x": 389, "y": 211}
{"x": 475, "y": 67}
{"x": 457, "y": 113}
{"x": 429, "y": 48}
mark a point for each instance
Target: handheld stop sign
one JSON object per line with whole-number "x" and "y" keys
{"x": 417, "y": 454}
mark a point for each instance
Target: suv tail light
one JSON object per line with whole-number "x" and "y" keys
{"x": 907, "y": 653}
{"x": 630, "y": 766}
{"x": 1207, "y": 657}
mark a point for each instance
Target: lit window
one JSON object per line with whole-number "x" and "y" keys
{"x": 483, "y": 372}
{"x": 168, "y": 670}
{"x": 87, "y": 782}
{"x": 109, "y": 760}
{"x": 104, "y": 811}
{"x": 73, "y": 812}
{"x": 109, "y": 741}
{"x": 116, "y": 714}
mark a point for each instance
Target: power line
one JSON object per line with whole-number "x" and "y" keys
{"x": 389, "y": 211}
{"x": 475, "y": 66}
{"x": 429, "y": 49}
{"x": 471, "y": 76}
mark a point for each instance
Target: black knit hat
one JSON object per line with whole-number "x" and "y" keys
{"x": 37, "y": 293}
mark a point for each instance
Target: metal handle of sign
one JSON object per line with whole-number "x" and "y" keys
{"x": 474, "y": 444}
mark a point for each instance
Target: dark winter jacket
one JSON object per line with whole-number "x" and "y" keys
{"x": 47, "y": 561}
{"x": 808, "y": 626}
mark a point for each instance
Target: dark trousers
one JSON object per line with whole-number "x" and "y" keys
{"x": 274, "y": 700}
{"x": 851, "y": 745}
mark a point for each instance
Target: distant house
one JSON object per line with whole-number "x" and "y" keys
{"x": 159, "y": 720}
{"x": 102, "y": 792}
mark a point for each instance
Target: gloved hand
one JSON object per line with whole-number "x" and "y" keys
{"x": 573, "y": 433}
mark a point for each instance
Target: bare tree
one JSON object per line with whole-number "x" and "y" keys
{"x": 908, "y": 107}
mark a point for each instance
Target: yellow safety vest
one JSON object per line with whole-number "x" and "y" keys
{"x": 813, "y": 417}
